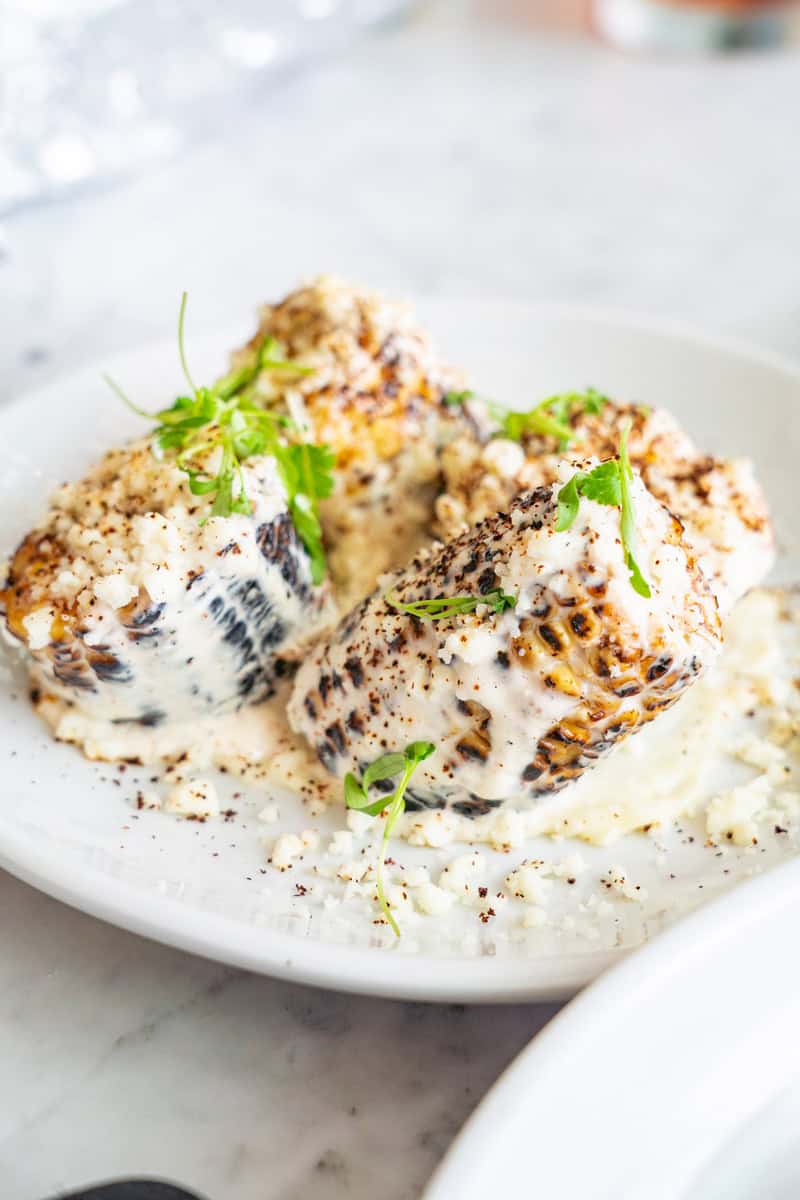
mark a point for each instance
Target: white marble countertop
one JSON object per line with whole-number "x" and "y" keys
{"x": 445, "y": 158}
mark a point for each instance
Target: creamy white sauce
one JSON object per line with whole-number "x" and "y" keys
{"x": 419, "y": 691}
{"x": 654, "y": 778}
{"x": 156, "y": 616}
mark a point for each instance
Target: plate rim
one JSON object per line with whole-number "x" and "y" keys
{"x": 331, "y": 965}
{"x": 380, "y": 972}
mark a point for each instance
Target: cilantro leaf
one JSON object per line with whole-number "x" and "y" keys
{"x": 306, "y": 471}
{"x": 356, "y": 795}
{"x": 603, "y": 484}
{"x": 569, "y": 503}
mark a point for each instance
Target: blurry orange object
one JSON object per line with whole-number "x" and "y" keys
{"x": 544, "y": 14}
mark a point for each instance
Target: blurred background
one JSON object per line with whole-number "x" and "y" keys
{"x": 639, "y": 153}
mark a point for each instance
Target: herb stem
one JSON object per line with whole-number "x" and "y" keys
{"x": 396, "y": 807}
{"x": 115, "y": 387}
{"x": 442, "y": 607}
{"x": 356, "y": 796}
{"x": 608, "y": 483}
{"x": 227, "y": 415}
{"x": 627, "y": 522}
{"x": 181, "y": 347}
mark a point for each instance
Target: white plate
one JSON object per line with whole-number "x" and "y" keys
{"x": 675, "y": 1077}
{"x": 67, "y": 826}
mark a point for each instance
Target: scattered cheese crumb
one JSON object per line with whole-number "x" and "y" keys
{"x": 342, "y": 842}
{"x": 269, "y": 814}
{"x": 616, "y": 880}
{"x": 461, "y": 876}
{"x": 733, "y": 814}
{"x": 417, "y": 877}
{"x": 193, "y": 798}
{"x": 356, "y": 870}
{"x": 432, "y": 900}
{"x": 286, "y": 848}
{"x": 37, "y": 626}
{"x": 359, "y": 823}
{"x": 758, "y": 752}
{"x": 527, "y": 884}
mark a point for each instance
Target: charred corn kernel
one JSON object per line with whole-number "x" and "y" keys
{"x": 132, "y": 609}
{"x": 523, "y": 701}
{"x": 718, "y": 500}
{"x": 376, "y": 397}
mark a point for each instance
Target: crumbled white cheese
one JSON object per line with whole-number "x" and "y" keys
{"x": 357, "y": 869}
{"x": 115, "y": 590}
{"x": 569, "y": 868}
{"x": 527, "y": 884}
{"x": 503, "y": 457}
{"x": 416, "y": 876}
{"x": 37, "y": 626}
{"x": 286, "y": 848}
{"x": 342, "y": 842}
{"x": 616, "y": 881}
{"x": 433, "y": 900}
{"x": 758, "y": 752}
{"x": 269, "y": 814}
{"x": 193, "y": 798}
{"x": 732, "y": 815}
{"x": 464, "y": 876}
{"x": 434, "y": 827}
{"x": 359, "y": 823}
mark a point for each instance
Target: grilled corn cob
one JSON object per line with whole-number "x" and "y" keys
{"x": 134, "y": 609}
{"x": 718, "y": 500}
{"x": 376, "y": 398}
{"x": 518, "y": 702}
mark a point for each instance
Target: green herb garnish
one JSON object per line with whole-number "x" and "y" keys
{"x": 454, "y": 399}
{"x": 608, "y": 483}
{"x": 549, "y": 418}
{"x": 306, "y": 471}
{"x": 356, "y": 795}
{"x": 449, "y": 606}
{"x": 628, "y": 517}
{"x": 228, "y": 416}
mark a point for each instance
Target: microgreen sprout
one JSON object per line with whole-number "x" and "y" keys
{"x": 228, "y": 417}
{"x": 449, "y": 606}
{"x": 356, "y": 794}
{"x": 549, "y": 418}
{"x": 608, "y": 483}
{"x": 456, "y": 399}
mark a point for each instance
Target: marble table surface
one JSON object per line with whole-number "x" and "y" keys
{"x": 448, "y": 157}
